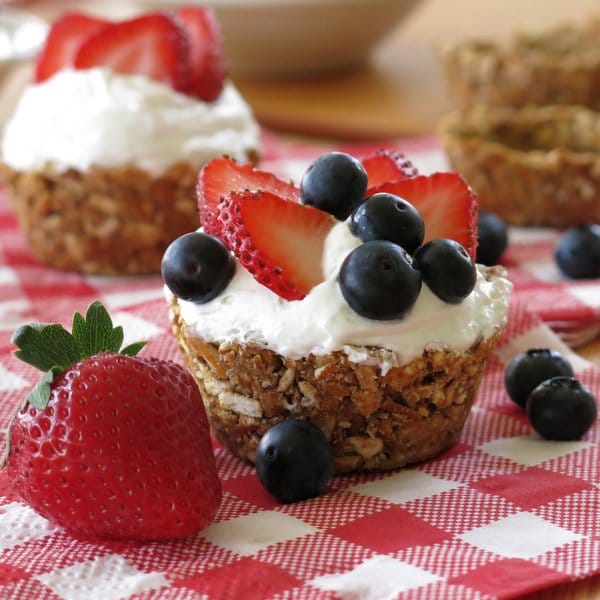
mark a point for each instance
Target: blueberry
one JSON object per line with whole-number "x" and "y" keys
{"x": 388, "y": 217}
{"x": 447, "y": 269}
{"x": 577, "y": 253}
{"x": 528, "y": 369}
{"x": 294, "y": 461}
{"x": 492, "y": 239}
{"x": 197, "y": 267}
{"x": 335, "y": 182}
{"x": 378, "y": 280}
{"x": 561, "y": 408}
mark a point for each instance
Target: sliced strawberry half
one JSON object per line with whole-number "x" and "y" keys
{"x": 154, "y": 45}
{"x": 446, "y": 203}
{"x": 221, "y": 176}
{"x": 64, "y": 39}
{"x": 387, "y": 165}
{"x": 206, "y": 56}
{"x": 278, "y": 241}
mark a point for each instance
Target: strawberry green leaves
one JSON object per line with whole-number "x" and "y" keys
{"x": 39, "y": 395}
{"x": 45, "y": 346}
{"x": 95, "y": 333}
{"x": 52, "y": 349}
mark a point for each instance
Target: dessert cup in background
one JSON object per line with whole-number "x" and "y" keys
{"x": 559, "y": 66}
{"x": 537, "y": 165}
{"x": 101, "y": 167}
{"x": 385, "y": 392}
{"x": 101, "y": 161}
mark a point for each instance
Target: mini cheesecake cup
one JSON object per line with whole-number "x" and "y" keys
{"x": 375, "y": 420}
{"x": 104, "y": 221}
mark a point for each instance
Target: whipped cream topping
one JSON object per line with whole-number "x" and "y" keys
{"x": 249, "y": 313}
{"x": 94, "y": 117}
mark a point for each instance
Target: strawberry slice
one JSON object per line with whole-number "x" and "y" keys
{"x": 153, "y": 45}
{"x": 221, "y": 176}
{"x": 387, "y": 165}
{"x": 64, "y": 40}
{"x": 206, "y": 56}
{"x": 278, "y": 241}
{"x": 446, "y": 203}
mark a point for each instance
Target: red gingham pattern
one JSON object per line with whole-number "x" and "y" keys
{"x": 500, "y": 514}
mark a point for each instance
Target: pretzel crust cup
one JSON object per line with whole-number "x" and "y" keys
{"x": 559, "y": 66}
{"x": 531, "y": 166}
{"x": 375, "y": 421}
{"x": 104, "y": 221}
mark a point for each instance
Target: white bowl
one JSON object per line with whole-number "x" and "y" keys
{"x": 275, "y": 38}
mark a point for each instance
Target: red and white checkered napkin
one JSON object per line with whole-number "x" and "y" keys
{"x": 500, "y": 514}
{"x": 569, "y": 307}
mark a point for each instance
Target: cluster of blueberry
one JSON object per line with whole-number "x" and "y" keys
{"x": 391, "y": 258}
{"x": 558, "y": 406}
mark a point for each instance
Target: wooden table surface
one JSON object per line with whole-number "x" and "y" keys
{"x": 400, "y": 92}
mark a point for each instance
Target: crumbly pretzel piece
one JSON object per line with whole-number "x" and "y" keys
{"x": 374, "y": 421}
{"x": 531, "y": 166}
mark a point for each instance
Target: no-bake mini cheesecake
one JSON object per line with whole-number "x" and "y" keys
{"x": 282, "y": 320}
{"x": 102, "y": 153}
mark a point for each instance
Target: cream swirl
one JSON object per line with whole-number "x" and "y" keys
{"x": 249, "y": 313}
{"x": 79, "y": 119}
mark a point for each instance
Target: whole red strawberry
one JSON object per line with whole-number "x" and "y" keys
{"x": 110, "y": 445}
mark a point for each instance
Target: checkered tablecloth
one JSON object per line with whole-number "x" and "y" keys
{"x": 500, "y": 514}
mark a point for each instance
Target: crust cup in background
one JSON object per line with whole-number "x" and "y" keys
{"x": 104, "y": 221}
{"x": 531, "y": 166}
{"x": 560, "y": 66}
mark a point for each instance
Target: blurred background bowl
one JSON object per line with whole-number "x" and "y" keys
{"x": 291, "y": 38}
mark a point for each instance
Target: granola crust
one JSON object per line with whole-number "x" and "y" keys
{"x": 374, "y": 421}
{"x": 104, "y": 221}
{"x": 560, "y": 66}
{"x": 531, "y": 166}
